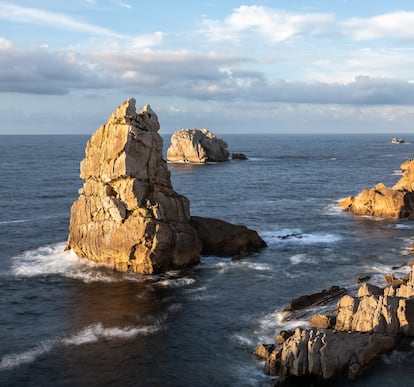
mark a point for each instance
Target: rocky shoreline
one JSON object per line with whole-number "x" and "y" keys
{"x": 346, "y": 341}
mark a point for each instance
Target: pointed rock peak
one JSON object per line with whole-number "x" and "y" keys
{"x": 124, "y": 113}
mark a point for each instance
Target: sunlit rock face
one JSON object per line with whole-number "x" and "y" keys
{"x": 197, "y": 146}
{"x": 395, "y": 202}
{"x": 127, "y": 215}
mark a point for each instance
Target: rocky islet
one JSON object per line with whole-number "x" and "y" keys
{"x": 128, "y": 215}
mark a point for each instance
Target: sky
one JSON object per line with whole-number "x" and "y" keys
{"x": 285, "y": 66}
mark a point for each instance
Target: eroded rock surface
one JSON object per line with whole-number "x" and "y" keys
{"x": 375, "y": 321}
{"x": 395, "y": 202}
{"x": 127, "y": 215}
{"x": 196, "y": 146}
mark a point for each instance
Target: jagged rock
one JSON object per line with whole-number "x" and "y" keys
{"x": 196, "y": 146}
{"x": 127, "y": 215}
{"x": 225, "y": 239}
{"x": 368, "y": 325}
{"x": 319, "y": 298}
{"x": 395, "y": 202}
{"x": 322, "y": 321}
{"x": 326, "y": 355}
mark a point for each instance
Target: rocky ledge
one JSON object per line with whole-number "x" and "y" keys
{"x": 395, "y": 202}
{"x": 127, "y": 215}
{"x": 197, "y": 146}
{"x": 346, "y": 342}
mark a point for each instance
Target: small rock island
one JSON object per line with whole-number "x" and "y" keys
{"x": 197, "y": 146}
{"x": 395, "y": 202}
{"x": 128, "y": 215}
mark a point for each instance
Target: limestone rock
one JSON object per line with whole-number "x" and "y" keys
{"x": 225, "y": 239}
{"x": 127, "y": 215}
{"x": 395, "y": 202}
{"x": 326, "y": 355}
{"x": 368, "y": 325}
{"x": 196, "y": 146}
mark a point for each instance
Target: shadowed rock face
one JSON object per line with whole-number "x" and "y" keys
{"x": 196, "y": 146}
{"x": 395, "y": 202}
{"x": 127, "y": 215}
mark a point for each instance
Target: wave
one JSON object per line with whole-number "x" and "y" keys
{"x": 94, "y": 333}
{"x": 175, "y": 282}
{"x": 301, "y": 258}
{"x": 17, "y": 221}
{"x": 90, "y": 334}
{"x": 296, "y": 236}
{"x": 54, "y": 260}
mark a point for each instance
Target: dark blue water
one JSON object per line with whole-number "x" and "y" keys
{"x": 67, "y": 322}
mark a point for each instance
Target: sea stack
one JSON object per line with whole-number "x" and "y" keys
{"x": 197, "y": 146}
{"x": 127, "y": 215}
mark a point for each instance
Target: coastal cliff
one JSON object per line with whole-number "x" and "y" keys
{"x": 395, "y": 202}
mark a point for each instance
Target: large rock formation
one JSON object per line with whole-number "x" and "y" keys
{"x": 373, "y": 322}
{"x": 196, "y": 146}
{"x": 127, "y": 215}
{"x": 395, "y": 202}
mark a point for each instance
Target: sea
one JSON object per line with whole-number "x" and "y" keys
{"x": 65, "y": 321}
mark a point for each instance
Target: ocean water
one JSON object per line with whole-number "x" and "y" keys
{"x": 68, "y": 322}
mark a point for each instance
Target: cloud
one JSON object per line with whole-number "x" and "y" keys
{"x": 41, "y": 71}
{"x": 397, "y": 25}
{"x": 20, "y": 14}
{"x": 272, "y": 24}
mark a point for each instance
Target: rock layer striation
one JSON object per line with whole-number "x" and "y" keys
{"x": 127, "y": 215}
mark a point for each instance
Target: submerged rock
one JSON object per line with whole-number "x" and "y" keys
{"x": 196, "y": 146}
{"x": 395, "y": 202}
{"x": 127, "y": 215}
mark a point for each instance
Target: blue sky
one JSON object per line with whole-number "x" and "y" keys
{"x": 232, "y": 66}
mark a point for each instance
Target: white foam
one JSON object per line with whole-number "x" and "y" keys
{"x": 397, "y": 172}
{"x": 300, "y": 258}
{"x": 15, "y": 360}
{"x": 274, "y": 322}
{"x": 175, "y": 282}
{"x": 295, "y": 236}
{"x": 97, "y": 332}
{"x": 53, "y": 259}
{"x": 90, "y": 334}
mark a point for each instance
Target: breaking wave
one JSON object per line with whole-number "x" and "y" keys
{"x": 90, "y": 334}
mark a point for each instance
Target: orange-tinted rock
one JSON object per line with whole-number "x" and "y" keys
{"x": 127, "y": 215}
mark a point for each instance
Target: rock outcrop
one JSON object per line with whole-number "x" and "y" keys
{"x": 395, "y": 202}
{"x": 374, "y": 322}
{"x": 127, "y": 215}
{"x": 196, "y": 146}
{"x": 225, "y": 239}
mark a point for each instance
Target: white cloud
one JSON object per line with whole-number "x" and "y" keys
{"x": 272, "y": 24}
{"x": 397, "y": 25}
